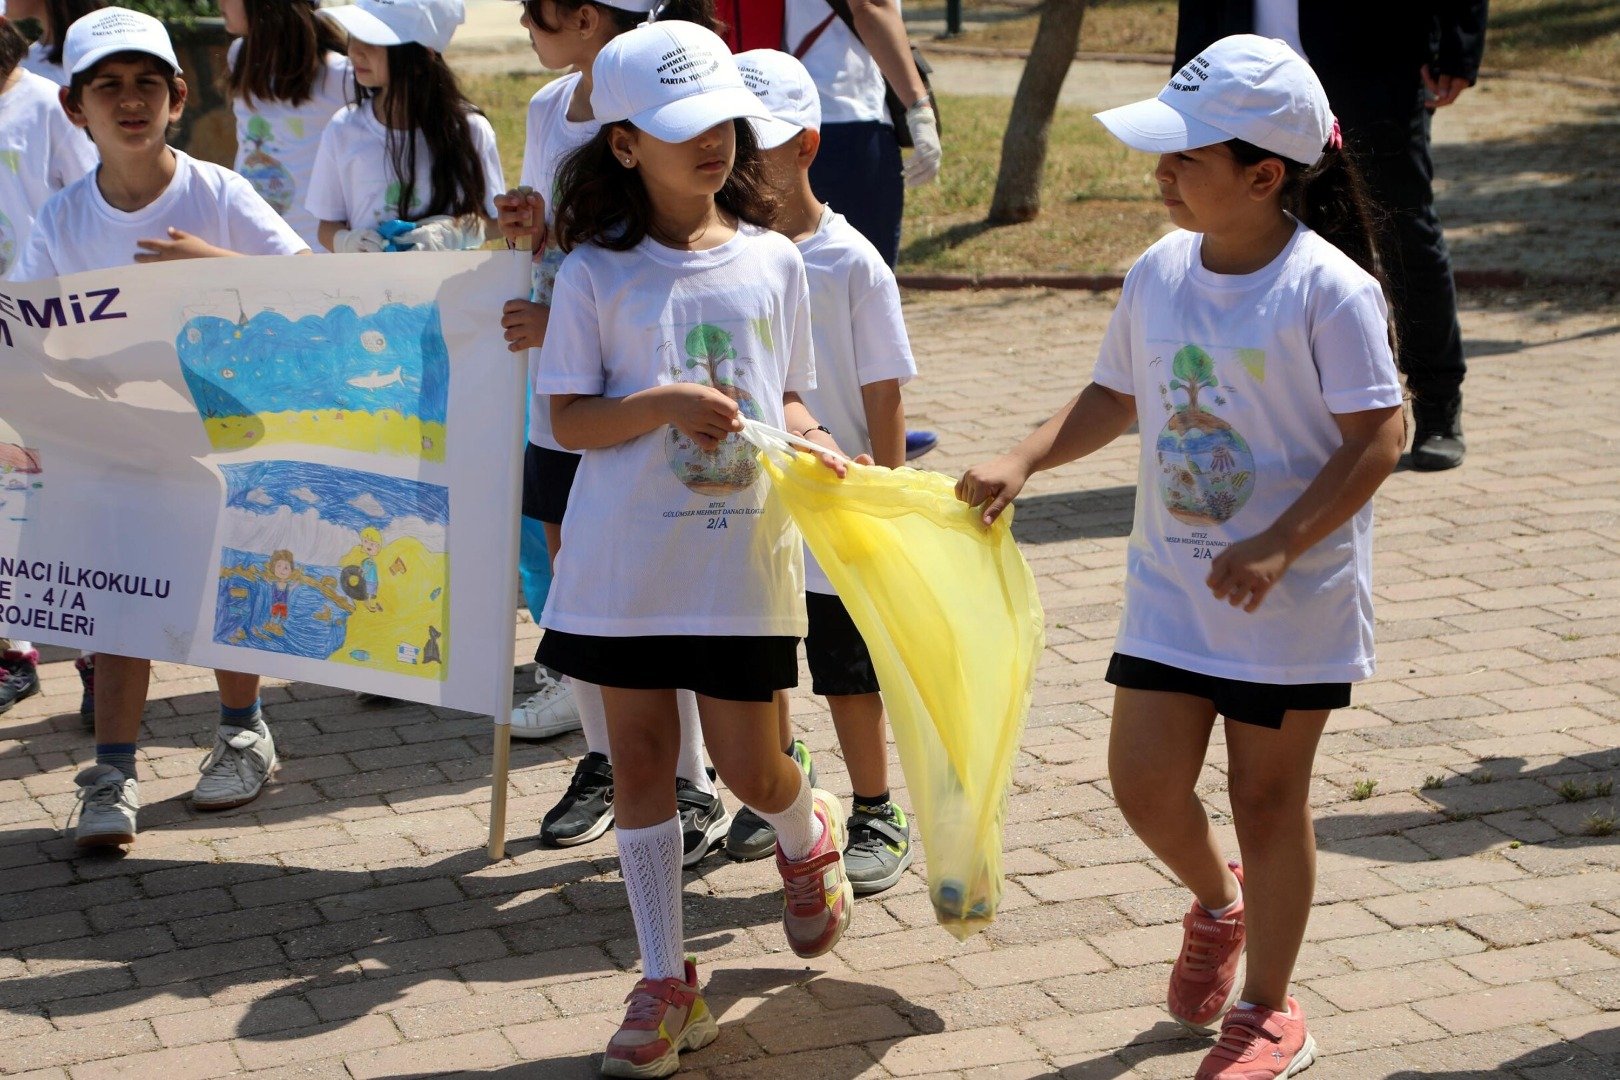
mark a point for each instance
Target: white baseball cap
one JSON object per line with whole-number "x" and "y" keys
{"x": 786, "y": 90}
{"x": 1242, "y": 87}
{"x": 107, "y": 31}
{"x": 674, "y": 80}
{"x": 429, "y": 23}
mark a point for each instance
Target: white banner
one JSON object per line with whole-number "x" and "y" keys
{"x": 301, "y": 467}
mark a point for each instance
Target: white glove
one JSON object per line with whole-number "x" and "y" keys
{"x": 923, "y": 165}
{"x": 350, "y": 241}
{"x": 443, "y": 233}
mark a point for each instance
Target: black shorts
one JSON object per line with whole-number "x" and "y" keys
{"x": 548, "y": 476}
{"x": 840, "y": 664}
{"x": 1261, "y": 704}
{"x": 728, "y": 668}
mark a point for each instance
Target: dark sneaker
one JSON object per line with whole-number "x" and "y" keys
{"x": 19, "y": 678}
{"x": 86, "y": 667}
{"x": 751, "y": 836}
{"x": 1438, "y": 443}
{"x": 585, "y": 811}
{"x": 704, "y": 820}
{"x": 919, "y": 443}
{"x": 879, "y": 848}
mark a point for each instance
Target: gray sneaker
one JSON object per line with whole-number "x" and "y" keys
{"x": 235, "y": 772}
{"x": 751, "y": 836}
{"x": 879, "y": 848}
{"x": 107, "y": 806}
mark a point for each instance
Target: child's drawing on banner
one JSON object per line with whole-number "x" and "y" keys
{"x": 335, "y": 564}
{"x": 21, "y": 475}
{"x": 373, "y": 383}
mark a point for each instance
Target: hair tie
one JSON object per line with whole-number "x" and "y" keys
{"x": 1336, "y": 139}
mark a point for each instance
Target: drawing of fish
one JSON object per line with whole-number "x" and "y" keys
{"x": 377, "y": 380}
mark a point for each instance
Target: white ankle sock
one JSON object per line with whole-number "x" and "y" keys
{"x": 650, "y": 861}
{"x": 592, "y": 716}
{"x": 1221, "y": 913}
{"x": 798, "y": 829}
{"x": 689, "y": 766}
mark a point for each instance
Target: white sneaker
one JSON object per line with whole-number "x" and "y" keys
{"x": 550, "y": 711}
{"x": 107, "y": 806}
{"x": 235, "y": 772}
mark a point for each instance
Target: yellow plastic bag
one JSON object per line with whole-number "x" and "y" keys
{"x": 950, "y": 614}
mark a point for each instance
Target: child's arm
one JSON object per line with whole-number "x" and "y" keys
{"x": 585, "y": 422}
{"x": 885, "y": 422}
{"x": 1243, "y": 573}
{"x": 179, "y": 245}
{"x": 802, "y": 422}
{"x": 1085, "y": 425}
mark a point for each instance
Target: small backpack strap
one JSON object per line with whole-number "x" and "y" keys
{"x": 813, "y": 36}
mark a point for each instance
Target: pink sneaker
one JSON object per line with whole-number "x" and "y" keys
{"x": 665, "y": 1016}
{"x": 1204, "y": 981}
{"x": 817, "y": 895}
{"x": 1260, "y": 1044}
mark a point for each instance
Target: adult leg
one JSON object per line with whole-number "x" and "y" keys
{"x": 1269, "y": 784}
{"x": 1156, "y": 750}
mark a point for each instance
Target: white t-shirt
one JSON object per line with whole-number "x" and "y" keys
{"x": 41, "y": 152}
{"x": 276, "y": 142}
{"x": 1237, "y": 379}
{"x": 847, "y": 77}
{"x": 354, "y": 180}
{"x": 860, "y": 338}
{"x": 551, "y": 136}
{"x": 1279, "y": 19}
{"x": 78, "y": 230}
{"x": 661, "y": 537}
{"x": 38, "y": 60}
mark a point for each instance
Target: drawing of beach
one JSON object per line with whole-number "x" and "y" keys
{"x": 335, "y": 564}
{"x": 376, "y": 383}
{"x": 22, "y": 478}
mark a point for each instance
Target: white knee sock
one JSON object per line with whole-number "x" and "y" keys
{"x": 650, "y": 860}
{"x": 689, "y": 766}
{"x": 798, "y": 829}
{"x": 592, "y": 716}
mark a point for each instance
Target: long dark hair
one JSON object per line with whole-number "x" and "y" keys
{"x": 13, "y": 47}
{"x": 602, "y": 202}
{"x": 1332, "y": 198}
{"x": 422, "y": 96}
{"x": 283, "y": 51}
{"x": 61, "y": 14}
{"x": 692, "y": 11}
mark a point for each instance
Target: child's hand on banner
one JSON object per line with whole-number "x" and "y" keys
{"x": 521, "y": 215}
{"x": 525, "y": 324}
{"x": 179, "y": 245}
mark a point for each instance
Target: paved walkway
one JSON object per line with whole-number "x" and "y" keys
{"x": 347, "y": 925}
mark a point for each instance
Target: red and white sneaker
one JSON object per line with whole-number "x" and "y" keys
{"x": 1260, "y": 1044}
{"x": 817, "y": 894}
{"x": 664, "y": 1017}
{"x": 1203, "y": 984}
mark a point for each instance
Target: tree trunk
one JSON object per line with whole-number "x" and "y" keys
{"x": 1023, "y": 147}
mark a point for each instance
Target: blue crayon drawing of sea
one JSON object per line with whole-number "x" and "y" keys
{"x": 375, "y": 383}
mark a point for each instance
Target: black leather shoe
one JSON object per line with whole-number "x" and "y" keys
{"x": 1439, "y": 441}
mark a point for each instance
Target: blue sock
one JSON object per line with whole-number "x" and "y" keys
{"x": 251, "y": 718}
{"x": 120, "y": 755}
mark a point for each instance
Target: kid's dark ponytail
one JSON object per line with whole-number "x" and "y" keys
{"x": 13, "y": 47}
{"x": 1332, "y": 198}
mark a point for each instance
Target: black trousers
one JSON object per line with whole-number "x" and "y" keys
{"x": 1394, "y": 157}
{"x": 857, "y": 173}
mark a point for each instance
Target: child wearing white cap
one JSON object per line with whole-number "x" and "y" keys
{"x": 568, "y": 34}
{"x": 676, "y": 313}
{"x": 413, "y": 165}
{"x": 863, "y": 357}
{"x": 286, "y": 78}
{"x": 147, "y": 202}
{"x": 1252, "y": 347}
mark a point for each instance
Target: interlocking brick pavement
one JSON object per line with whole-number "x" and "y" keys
{"x": 347, "y": 925}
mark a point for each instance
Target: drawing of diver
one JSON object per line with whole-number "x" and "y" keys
{"x": 283, "y": 578}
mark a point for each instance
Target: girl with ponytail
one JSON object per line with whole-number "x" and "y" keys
{"x": 1252, "y": 348}
{"x": 567, "y": 35}
{"x": 286, "y": 76}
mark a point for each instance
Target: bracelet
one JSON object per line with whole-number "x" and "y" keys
{"x": 805, "y": 434}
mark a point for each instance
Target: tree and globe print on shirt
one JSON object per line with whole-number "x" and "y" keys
{"x": 708, "y": 355}
{"x": 1206, "y": 469}
{"x": 268, "y": 175}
